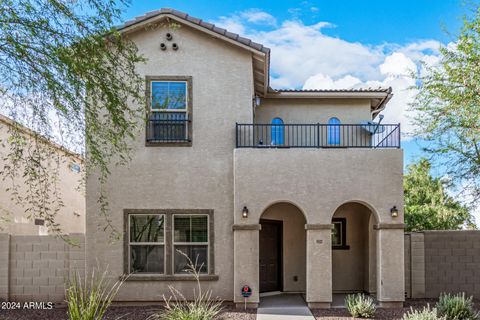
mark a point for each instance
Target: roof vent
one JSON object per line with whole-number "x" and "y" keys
{"x": 169, "y": 36}
{"x": 163, "y": 46}
{"x": 175, "y": 46}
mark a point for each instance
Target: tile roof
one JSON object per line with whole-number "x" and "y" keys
{"x": 199, "y": 22}
{"x": 379, "y": 89}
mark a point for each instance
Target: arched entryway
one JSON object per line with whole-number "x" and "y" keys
{"x": 354, "y": 249}
{"x": 282, "y": 249}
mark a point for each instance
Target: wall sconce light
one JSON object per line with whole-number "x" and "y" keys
{"x": 394, "y": 211}
{"x": 245, "y": 212}
{"x": 257, "y": 101}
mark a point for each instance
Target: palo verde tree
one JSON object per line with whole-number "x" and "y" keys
{"x": 427, "y": 203}
{"x": 69, "y": 75}
{"x": 447, "y": 108}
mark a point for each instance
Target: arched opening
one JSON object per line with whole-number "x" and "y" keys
{"x": 282, "y": 249}
{"x": 354, "y": 249}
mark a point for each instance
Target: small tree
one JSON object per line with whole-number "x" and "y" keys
{"x": 65, "y": 70}
{"x": 427, "y": 204}
{"x": 447, "y": 108}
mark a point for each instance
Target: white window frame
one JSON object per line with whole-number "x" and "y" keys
{"x": 169, "y": 110}
{"x": 190, "y": 243}
{"x": 130, "y": 244}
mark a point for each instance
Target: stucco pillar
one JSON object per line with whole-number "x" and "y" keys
{"x": 319, "y": 265}
{"x": 245, "y": 264}
{"x": 390, "y": 265}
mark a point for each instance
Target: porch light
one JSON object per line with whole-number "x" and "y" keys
{"x": 245, "y": 212}
{"x": 394, "y": 211}
{"x": 257, "y": 101}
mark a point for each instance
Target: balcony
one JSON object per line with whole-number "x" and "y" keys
{"x": 317, "y": 136}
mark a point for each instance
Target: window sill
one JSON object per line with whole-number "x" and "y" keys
{"x": 168, "y": 144}
{"x": 154, "y": 277}
{"x": 340, "y": 247}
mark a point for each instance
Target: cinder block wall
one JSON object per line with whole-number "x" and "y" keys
{"x": 38, "y": 266}
{"x": 442, "y": 261}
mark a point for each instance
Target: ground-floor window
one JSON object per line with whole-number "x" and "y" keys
{"x": 339, "y": 234}
{"x": 162, "y": 241}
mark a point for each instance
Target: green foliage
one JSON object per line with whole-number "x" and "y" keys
{"x": 456, "y": 307}
{"x": 447, "y": 107}
{"x": 360, "y": 305}
{"x": 425, "y": 314}
{"x": 427, "y": 204}
{"x": 65, "y": 71}
{"x": 202, "y": 307}
{"x": 88, "y": 299}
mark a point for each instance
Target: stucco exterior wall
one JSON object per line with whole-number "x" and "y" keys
{"x": 196, "y": 177}
{"x": 14, "y": 219}
{"x": 348, "y": 111}
{"x": 294, "y": 245}
{"x": 318, "y": 182}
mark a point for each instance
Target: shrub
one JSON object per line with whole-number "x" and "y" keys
{"x": 360, "y": 305}
{"x": 88, "y": 299}
{"x": 202, "y": 307}
{"x": 425, "y": 314}
{"x": 456, "y": 307}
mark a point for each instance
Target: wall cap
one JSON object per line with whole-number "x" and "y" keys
{"x": 319, "y": 226}
{"x": 252, "y": 226}
{"x": 389, "y": 226}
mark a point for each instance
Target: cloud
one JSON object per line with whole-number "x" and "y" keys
{"x": 303, "y": 56}
{"x": 259, "y": 17}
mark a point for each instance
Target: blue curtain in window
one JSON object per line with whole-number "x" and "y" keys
{"x": 334, "y": 131}
{"x": 277, "y": 131}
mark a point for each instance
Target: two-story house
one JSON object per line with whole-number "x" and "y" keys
{"x": 280, "y": 190}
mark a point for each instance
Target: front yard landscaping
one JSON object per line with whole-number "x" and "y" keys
{"x": 229, "y": 312}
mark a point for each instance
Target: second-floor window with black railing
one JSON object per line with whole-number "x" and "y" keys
{"x": 168, "y": 120}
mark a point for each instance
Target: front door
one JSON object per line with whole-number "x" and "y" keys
{"x": 271, "y": 255}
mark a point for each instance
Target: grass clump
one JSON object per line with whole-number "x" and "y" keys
{"x": 202, "y": 307}
{"x": 426, "y": 314}
{"x": 360, "y": 305}
{"x": 456, "y": 307}
{"x": 90, "y": 297}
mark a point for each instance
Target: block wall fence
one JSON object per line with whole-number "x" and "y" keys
{"x": 35, "y": 268}
{"x": 442, "y": 261}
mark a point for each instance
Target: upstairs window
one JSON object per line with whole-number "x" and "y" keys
{"x": 169, "y": 110}
{"x": 333, "y": 131}
{"x": 277, "y": 131}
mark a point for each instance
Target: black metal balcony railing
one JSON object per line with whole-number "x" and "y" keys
{"x": 317, "y": 136}
{"x": 167, "y": 130}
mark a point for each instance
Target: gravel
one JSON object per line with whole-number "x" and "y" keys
{"x": 229, "y": 312}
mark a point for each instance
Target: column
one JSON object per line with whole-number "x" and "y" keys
{"x": 319, "y": 265}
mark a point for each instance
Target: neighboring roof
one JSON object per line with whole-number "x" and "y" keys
{"x": 10, "y": 122}
{"x": 198, "y": 22}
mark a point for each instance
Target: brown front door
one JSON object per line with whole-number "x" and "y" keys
{"x": 271, "y": 255}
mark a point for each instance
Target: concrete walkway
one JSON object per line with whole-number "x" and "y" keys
{"x": 283, "y": 307}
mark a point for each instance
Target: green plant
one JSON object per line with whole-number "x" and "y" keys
{"x": 360, "y": 305}
{"x": 89, "y": 298}
{"x": 456, "y": 307}
{"x": 426, "y": 314}
{"x": 202, "y": 307}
